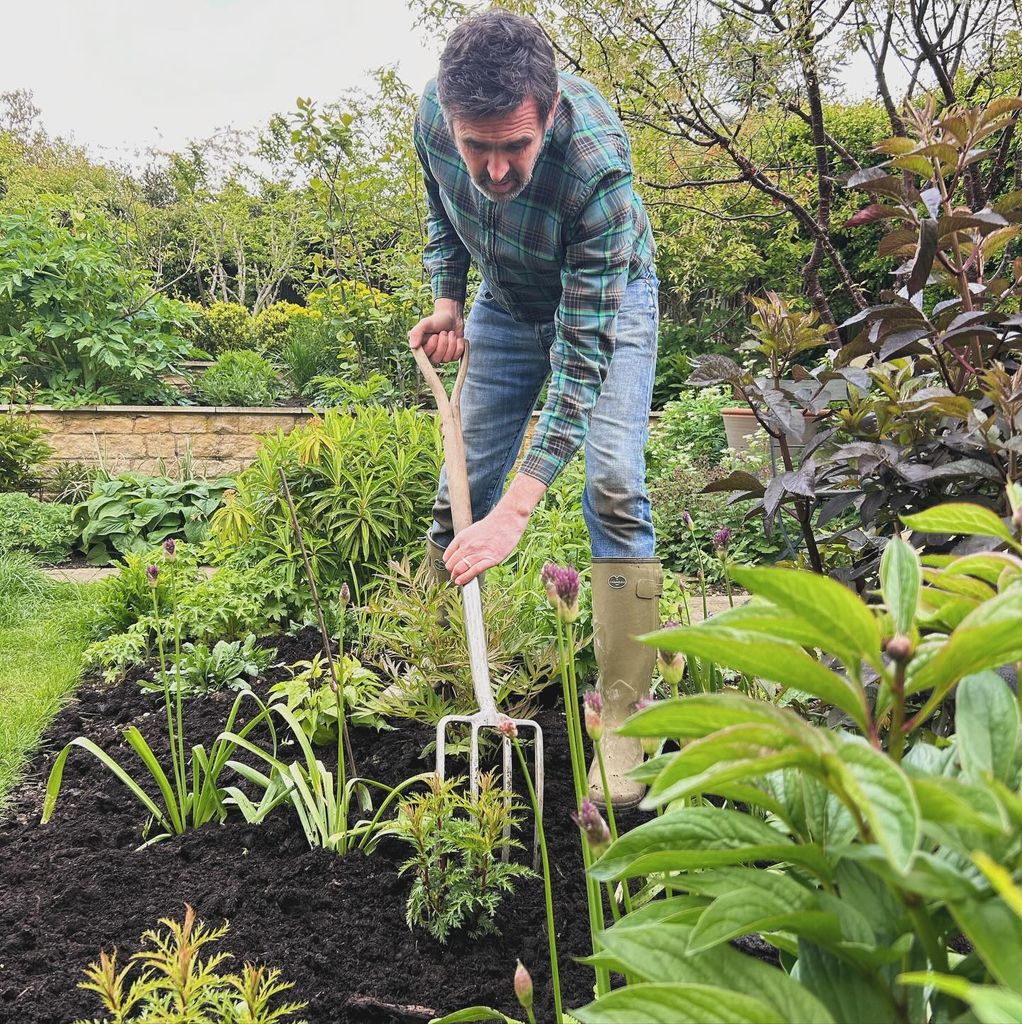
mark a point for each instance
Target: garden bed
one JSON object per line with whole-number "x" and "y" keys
{"x": 335, "y": 926}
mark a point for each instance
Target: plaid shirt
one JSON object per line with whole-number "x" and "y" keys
{"x": 563, "y": 250}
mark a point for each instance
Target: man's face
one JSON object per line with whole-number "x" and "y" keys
{"x": 501, "y": 152}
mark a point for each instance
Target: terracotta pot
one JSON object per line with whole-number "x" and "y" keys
{"x": 740, "y": 424}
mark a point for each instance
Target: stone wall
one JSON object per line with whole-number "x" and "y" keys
{"x": 151, "y": 439}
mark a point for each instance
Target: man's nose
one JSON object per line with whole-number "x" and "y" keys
{"x": 497, "y": 168}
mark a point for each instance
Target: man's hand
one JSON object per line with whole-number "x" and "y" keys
{"x": 488, "y": 542}
{"x": 442, "y": 335}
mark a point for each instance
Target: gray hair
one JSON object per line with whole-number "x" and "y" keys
{"x": 492, "y": 63}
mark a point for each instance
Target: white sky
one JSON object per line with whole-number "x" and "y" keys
{"x": 121, "y": 75}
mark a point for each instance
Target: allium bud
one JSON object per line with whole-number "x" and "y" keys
{"x": 593, "y": 705}
{"x": 671, "y": 663}
{"x": 169, "y": 549}
{"x": 650, "y": 744}
{"x": 152, "y": 574}
{"x": 523, "y": 986}
{"x": 345, "y": 595}
{"x": 507, "y": 728}
{"x": 593, "y": 826}
{"x": 722, "y": 538}
{"x": 900, "y": 647}
{"x": 562, "y": 586}
{"x": 686, "y": 518}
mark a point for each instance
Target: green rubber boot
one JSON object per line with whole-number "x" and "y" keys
{"x": 626, "y": 604}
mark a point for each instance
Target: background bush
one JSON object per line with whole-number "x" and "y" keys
{"x": 131, "y": 512}
{"x": 40, "y": 528}
{"x": 23, "y": 449}
{"x": 363, "y": 484}
{"x": 225, "y": 327}
{"x": 239, "y": 378}
{"x": 691, "y": 426}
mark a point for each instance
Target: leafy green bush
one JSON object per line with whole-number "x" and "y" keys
{"x": 869, "y": 850}
{"x": 363, "y": 485}
{"x": 342, "y": 392}
{"x": 227, "y": 665}
{"x": 161, "y": 990}
{"x": 239, "y": 378}
{"x": 690, "y": 426}
{"x": 225, "y": 327}
{"x": 41, "y": 528}
{"x": 132, "y": 512}
{"x": 23, "y": 448}
{"x": 77, "y": 321}
{"x": 306, "y": 352}
{"x": 273, "y": 325}
{"x": 682, "y": 338}
{"x": 686, "y": 520}
{"x": 227, "y": 605}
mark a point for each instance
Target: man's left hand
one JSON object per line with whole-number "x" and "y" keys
{"x": 484, "y": 544}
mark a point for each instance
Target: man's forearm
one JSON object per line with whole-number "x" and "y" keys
{"x": 521, "y": 497}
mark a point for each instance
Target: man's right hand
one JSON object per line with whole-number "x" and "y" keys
{"x": 442, "y": 335}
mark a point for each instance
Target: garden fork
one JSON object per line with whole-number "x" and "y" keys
{"x": 487, "y": 717}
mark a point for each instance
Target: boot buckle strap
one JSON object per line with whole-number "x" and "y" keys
{"x": 648, "y": 588}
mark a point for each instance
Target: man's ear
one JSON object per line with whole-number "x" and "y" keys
{"x": 553, "y": 110}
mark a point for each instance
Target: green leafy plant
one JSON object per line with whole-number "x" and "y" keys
{"x": 41, "y": 528}
{"x": 23, "y": 449}
{"x": 228, "y": 605}
{"x": 689, "y": 426}
{"x": 23, "y": 587}
{"x": 129, "y": 513}
{"x": 306, "y": 351}
{"x": 849, "y": 849}
{"x": 459, "y": 848}
{"x": 71, "y": 482}
{"x": 77, "y": 320}
{"x": 170, "y": 978}
{"x": 308, "y": 696}
{"x": 227, "y": 665}
{"x": 329, "y": 390}
{"x": 363, "y": 485}
{"x": 192, "y": 796}
{"x": 224, "y": 327}
{"x": 273, "y": 325}
{"x": 239, "y": 379}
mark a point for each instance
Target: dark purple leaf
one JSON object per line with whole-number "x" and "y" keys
{"x": 714, "y": 369}
{"x": 737, "y": 481}
{"x": 924, "y": 257}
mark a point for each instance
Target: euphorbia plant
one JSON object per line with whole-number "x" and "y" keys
{"x": 852, "y": 850}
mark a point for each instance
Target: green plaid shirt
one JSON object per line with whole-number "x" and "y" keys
{"x": 563, "y": 250}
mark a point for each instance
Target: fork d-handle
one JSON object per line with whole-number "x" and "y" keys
{"x": 460, "y": 500}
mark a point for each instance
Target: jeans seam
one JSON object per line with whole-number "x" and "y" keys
{"x": 502, "y": 478}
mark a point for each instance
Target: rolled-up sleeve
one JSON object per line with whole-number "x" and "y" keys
{"x": 593, "y": 278}
{"x": 446, "y": 259}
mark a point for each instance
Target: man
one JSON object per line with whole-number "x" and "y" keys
{"x": 528, "y": 173}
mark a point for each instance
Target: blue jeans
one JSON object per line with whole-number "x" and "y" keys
{"x": 510, "y": 362}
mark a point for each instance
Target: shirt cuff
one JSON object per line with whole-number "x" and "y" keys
{"x": 449, "y": 286}
{"x": 541, "y": 465}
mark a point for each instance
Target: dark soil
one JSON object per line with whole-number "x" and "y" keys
{"x": 334, "y": 925}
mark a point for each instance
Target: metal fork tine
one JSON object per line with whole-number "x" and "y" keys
{"x": 507, "y": 800}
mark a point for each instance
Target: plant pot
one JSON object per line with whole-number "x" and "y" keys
{"x": 740, "y": 424}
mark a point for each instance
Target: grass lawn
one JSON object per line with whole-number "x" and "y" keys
{"x": 43, "y": 632}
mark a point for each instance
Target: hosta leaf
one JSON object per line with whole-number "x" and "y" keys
{"x": 987, "y": 724}
{"x": 677, "y": 1003}
{"x": 700, "y": 837}
{"x": 656, "y": 953}
{"x": 883, "y": 795}
{"x": 900, "y": 575}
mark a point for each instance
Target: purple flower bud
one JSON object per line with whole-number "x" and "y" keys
{"x": 593, "y": 827}
{"x": 152, "y": 574}
{"x": 593, "y": 704}
{"x": 507, "y": 728}
{"x": 670, "y": 663}
{"x": 169, "y": 549}
{"x": 686, "y": 518}
{"x": 523, "y": 986}
{"x": 345, "y": 595}
{"x": 900, "y": 647}
{"x": 722, "y": 538}
{"x": 562, "y": 586}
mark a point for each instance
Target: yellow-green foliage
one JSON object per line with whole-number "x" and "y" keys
{"x": 226, "y": 327}
{"x": 272, "y": 326}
